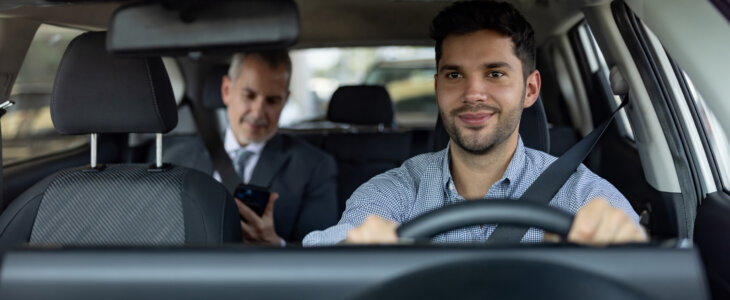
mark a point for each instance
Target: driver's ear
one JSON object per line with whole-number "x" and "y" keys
{"x": 435, "y": 81}
{"x": 532, "y": 88}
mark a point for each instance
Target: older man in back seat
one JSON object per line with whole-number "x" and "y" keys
{"x": 485, "y": 56}
{"x": 302, "y": 178}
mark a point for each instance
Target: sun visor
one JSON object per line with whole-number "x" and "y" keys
{"x": 154, "y": 29}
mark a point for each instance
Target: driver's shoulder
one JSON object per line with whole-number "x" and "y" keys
{"x": 427, "y": 167}
{"x": 412, "y": 172}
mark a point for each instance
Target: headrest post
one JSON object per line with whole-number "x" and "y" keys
{"x": 158, "y": 150}
{"x": 93, "y": 142}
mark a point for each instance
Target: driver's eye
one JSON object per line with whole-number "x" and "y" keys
{"x": 453, "y": 75}
{"x": 250, "y": 96}
{"x": 495, "y": 74}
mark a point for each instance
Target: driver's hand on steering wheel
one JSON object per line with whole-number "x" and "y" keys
{"x": 599, "y": 224}
{"x": 374, "y": 230}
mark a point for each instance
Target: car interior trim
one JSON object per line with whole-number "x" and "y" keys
{"x": 585, "y": 125}
{"x": 683, "y": 146}
{"x": 656, "y": 158}
{"x": 692, "y": 137}
{"x": 685, "y": 28}
{"x": 564, "y": 84}
{"x": 645, "y": 60}
{"x": 266, "y": 273}
{"x": 692, "y": 106}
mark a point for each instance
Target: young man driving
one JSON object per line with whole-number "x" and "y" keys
{"x": 486, "y": 76}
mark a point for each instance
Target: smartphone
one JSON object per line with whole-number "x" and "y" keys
{"x": 255, "y": 197}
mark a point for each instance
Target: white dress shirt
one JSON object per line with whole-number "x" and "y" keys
{"x": 231, "y": 145}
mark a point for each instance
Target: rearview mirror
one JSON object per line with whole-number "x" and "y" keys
{"x": 214, "y": 26}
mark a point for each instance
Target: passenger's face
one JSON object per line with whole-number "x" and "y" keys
{"x": 481, "y": 90}
{"x": 255, "y": 100}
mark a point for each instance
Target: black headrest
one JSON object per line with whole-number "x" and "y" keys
{"x": 362, "y": 105}
{"x": 95, "y": 92}
{"x": 212, "y": 97}
{"x": 533, "y": 129}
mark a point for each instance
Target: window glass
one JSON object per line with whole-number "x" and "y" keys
{"x": 27, "y": 130}
{"x": 406, "y": 72}
{"x": 597, "y": 63}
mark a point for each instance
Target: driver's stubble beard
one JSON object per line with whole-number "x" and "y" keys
{"x": 481, "y": 145}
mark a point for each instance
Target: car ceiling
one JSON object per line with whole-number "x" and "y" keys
{"x": 324, "y": 23}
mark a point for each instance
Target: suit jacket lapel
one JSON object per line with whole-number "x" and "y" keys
{"x": 271, "y": 161}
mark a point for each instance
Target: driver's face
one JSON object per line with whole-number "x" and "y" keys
{"x": 480, "y": 89}
{"x": 255, "y": 99}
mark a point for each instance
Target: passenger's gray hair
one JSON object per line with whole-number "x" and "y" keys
{"x": 273, "y": 58}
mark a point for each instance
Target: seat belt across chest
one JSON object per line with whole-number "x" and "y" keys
{"x": 547, "y": 185}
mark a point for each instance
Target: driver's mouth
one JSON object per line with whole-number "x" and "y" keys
{"x": 475, "y": 119}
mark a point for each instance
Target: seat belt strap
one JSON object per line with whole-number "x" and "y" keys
{"x": 547, "y": 185}
{"x": 206, "y": 124}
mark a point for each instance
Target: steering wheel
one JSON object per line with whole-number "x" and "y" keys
{"x": 477, "y": 212}
{"x": 482, "y": 278}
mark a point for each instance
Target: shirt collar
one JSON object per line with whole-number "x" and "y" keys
{"x": 231, "y": 144}
{"x": 516, "y": 165}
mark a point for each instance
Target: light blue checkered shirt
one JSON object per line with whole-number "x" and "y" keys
{"x": 423, "y": 183}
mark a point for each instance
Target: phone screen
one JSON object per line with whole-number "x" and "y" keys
{"x": 255, "y": 197}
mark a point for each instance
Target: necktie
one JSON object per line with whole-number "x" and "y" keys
{"x": 242, "y": 156}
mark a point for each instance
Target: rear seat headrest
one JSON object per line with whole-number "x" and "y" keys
{"x": 361, "y": 105}
{"x": 95, "y": 92}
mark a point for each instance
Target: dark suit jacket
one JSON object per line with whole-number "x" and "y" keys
{"x": 304, "y": 176}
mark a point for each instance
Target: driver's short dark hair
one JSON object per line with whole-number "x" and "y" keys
{"x": 467, "y": 17}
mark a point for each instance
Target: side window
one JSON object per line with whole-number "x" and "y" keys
{"x": 597, "y": 66}
{"x": 27, "y": 130}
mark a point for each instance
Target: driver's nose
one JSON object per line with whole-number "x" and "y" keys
{"x": 475, "y": 90}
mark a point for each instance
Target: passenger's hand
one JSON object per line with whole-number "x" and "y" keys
{"x": 374, "y": 230}
{"x": 259, "y": 230}
{"x": 599, "y": 224}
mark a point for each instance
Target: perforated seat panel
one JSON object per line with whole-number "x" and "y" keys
{"x": 116, "y": 206}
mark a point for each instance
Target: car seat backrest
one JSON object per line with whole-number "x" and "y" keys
{"x": 533, "y": 129}
{"x": 361, "y": 105}
{"x": 133, "y": 204}
{"x": 364, "y": 153}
